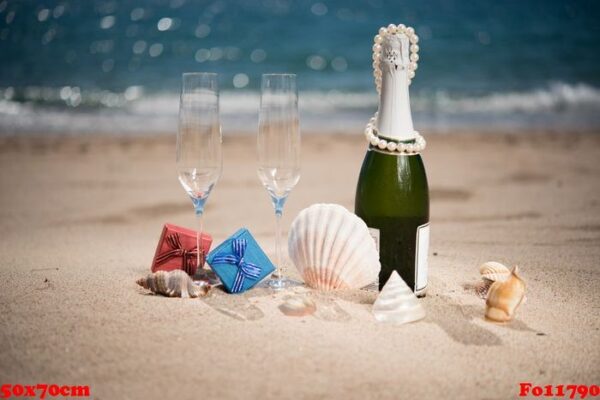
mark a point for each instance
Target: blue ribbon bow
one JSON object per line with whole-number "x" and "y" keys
{"x": 245, "y": 269}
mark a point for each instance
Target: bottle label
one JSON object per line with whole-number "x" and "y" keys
{"x": 421, "y": 253}
{"x": 375, "y": 235}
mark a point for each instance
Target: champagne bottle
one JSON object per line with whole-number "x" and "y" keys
{"x": 392, "y": 195}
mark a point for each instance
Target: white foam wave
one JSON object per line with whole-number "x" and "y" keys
{"x": 577, "y": 104}
{"x": 236, "y": 102}
{"x": 555, "y": 97}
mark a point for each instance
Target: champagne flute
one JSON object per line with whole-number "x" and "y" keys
{"x": 199, "y": 160}
{"x": 278, "y": 150}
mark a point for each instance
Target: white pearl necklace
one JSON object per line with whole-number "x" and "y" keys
{"x": 390, "y": 145}
{"x": 414, "y": 50}
{"x": 370, "y": 131}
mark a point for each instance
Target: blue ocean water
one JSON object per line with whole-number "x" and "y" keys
{"x": 115, "y": 66}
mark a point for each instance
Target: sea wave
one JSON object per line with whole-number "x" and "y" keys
{"x": 246, "y": 102}
{"x": 73, "y": 110}
{"x": 557, "y": 96}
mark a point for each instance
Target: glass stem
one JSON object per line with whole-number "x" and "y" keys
{"x": 199, "y": 255}
{"x": 278, "y": 245}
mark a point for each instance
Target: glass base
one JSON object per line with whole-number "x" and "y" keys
{"x": 277, "y": 283}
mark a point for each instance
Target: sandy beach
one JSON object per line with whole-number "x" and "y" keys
{"x": 80, "y": 220}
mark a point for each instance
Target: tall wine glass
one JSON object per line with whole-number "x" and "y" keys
{"x": 199, "y": 160}
{"x": 279, "y": 150}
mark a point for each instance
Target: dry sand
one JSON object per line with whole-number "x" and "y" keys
{"x": 80, "y": 218}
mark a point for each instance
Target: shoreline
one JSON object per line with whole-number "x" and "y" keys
{"x": 9, "y": 141}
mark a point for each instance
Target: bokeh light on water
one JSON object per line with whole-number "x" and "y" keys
{"x": 115, "y": 63}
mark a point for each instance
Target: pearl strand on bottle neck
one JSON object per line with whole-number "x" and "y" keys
{"x": 414, "y": 50}
{"x": 370, "y": 131}
{"x": 390, "y": 145}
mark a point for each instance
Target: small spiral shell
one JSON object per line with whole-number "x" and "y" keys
{"x": 176, "y": 283}
{"x": 396, "y": 303}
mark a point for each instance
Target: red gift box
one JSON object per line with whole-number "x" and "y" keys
{"x": 177, "y": 249}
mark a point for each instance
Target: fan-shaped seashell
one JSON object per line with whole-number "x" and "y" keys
{"x": 176, "y": 283}
{"x": 397, "y": 303}
{"x": 298, "y": 306}
{"x": 504, "y": 298}
{"x": 482, "y": 288}
{"x": 494, "y": 271}
{"x": 332, "y": 248}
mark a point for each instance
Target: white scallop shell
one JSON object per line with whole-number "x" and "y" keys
{"x": 332, "y": 248}
{"x": 494, "y": 271}
{"x": 176, "y": 283}
{"x": 397, "y": 303}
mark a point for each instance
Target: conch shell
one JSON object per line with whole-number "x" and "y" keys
{"x": 494, "y": 271}
{"x": 503, "y": 298}
{"x": 397, "y": 303}
{"x": 176, "y": 283}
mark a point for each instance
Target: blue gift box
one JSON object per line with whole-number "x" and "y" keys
{"x": 239, "y": 262}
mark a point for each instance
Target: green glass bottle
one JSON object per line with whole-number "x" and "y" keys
{"x": 392, "y": 198}
{"x": 392, "y": 194}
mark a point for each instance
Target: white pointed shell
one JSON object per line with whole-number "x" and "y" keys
{"x": 494, "y": 271}
{"x": 397, "y": 303}
{"x": 332, "y": 248}
{"x": 504, "y": 297}
{"x": 176, "y": 283}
